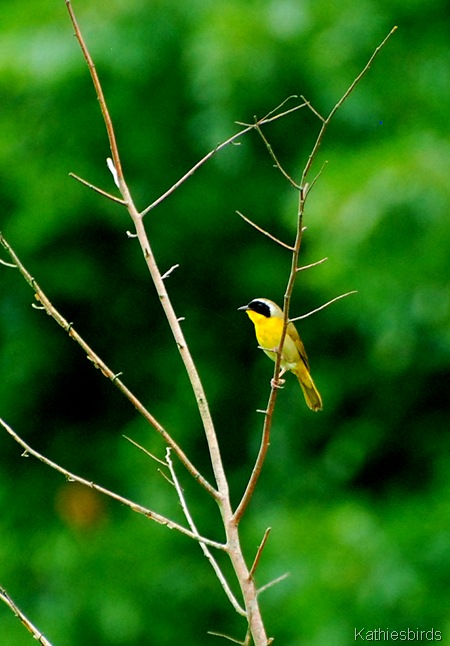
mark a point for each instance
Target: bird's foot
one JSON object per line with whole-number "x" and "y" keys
{"x": 277, "y": 383}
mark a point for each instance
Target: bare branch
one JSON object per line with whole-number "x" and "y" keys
{"x": 310, "y": 106}
{"x": 308, "y": 187}
{"x": 169, "y": 271}
{"x": 274, "y": 582}
{"x": 313, "y": 264}
{"x": 106, "y": 371}
{"x": 8, "y": 264}
{"x": 271, "y": 116}
{"x": 72, "y": 477}
{"x": 303, "y": 191}
{"x": 264, "y": 232}
{"x": 275, "y": 159}
{"x": 98, "y": 190}
{"x": 100, "y": 96}
{"x": 144, "y": 450}
{"x": 231, "y": 140}
{"x": 325, "y": 122}
{"x": 228, "y": 638}
{"x": 215, "y": 566}
{"x": 37, "y": 635}
{"x": 322, "y": 307}
{"x": 259, "y": 552}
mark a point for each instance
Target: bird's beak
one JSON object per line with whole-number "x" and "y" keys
{"x": 243, "y": 308}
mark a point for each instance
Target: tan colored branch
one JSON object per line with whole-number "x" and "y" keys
{"x": 37, "y": 635}
{"x": 72, "y": 477}
{"x": 104, "y": 369}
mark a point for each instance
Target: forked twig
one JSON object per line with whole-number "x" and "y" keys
{"x": 275, "y": 158}
{"x": 72, "y": 477}
{"x": 104, "y": 369}
{"x": 339, "y": 104}
{"x": 303, "y": 190}
{"x": 269, "y": 118}
{"x": 99, "y": 92}
{"x": 215, "y": 566}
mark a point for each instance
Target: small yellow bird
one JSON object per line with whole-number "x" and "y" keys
{"x": 267, "y": 318}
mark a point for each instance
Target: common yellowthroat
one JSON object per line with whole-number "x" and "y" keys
{"x": 267, "y": 318}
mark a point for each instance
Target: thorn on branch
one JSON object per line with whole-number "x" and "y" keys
{"x": 131, "y": 235}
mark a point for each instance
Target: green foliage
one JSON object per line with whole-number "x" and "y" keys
{"x": 357, "y": 496}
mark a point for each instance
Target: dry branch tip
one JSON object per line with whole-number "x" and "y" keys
{"x": 322, "y": 307}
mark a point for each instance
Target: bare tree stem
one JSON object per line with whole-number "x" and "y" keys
{"x": 37, "y": 635}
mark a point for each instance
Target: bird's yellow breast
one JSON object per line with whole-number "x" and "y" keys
{"x": 268, "y": 330}
{"x": 268, "y": 334}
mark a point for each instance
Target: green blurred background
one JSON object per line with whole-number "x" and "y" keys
{"x": 358, "y": 496}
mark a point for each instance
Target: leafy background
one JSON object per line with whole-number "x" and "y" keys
{"x": 359, "y": 496}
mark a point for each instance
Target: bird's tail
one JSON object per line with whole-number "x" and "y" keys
{"x": 312, "y": 395}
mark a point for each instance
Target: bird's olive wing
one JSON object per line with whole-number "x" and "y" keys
{"x": 292, "y": 331}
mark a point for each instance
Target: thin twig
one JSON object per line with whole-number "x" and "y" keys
{"x": 312, "y": 108}
{"x": 221, "y": 495}
{"x": 119, "y": 200}
{"x": 264, "y": 232}
{"x": 274, "y": 582}
{"x": 311, "y": 265}
{"x": 303, "y": 192}
{"x": 231, "y": 140}
{"x": 169, "y": 271}
{"x": 7, "y": 264}
{"x": 99, "y": 92}
{"x": 322, "y": 307}
{"x": 222, "y": 492}
{"x": 37, "y": 635}
{"x": 271, "y": 116}
{"x": 259, "y": 552}
{"x": 144, "y": 450}
{"x": 72, "y": 477}
{"x": 339, "y": 104}
{"x": 275, "y": 158}
{"x": 228, "y": 638}
{"x": 106, "y": 371}
{"x": 187, "y": 514}
{"x": 308, "y": 187}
